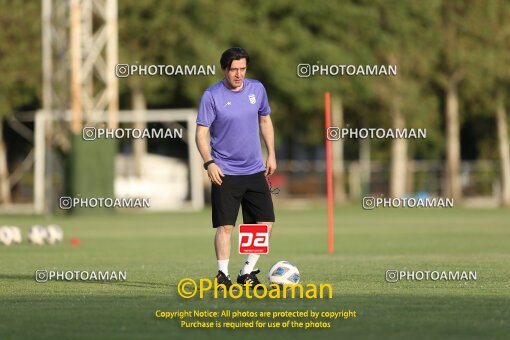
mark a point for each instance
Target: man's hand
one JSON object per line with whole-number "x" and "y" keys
{"x": 215, "y": 174}
{"x": 270, "y": 165}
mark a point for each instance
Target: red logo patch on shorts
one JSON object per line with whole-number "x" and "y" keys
{"x": 253, "y": 239}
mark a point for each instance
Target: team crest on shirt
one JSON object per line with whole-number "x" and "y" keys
{"x": 252, "y": 98}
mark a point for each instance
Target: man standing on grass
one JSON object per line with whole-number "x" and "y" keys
{"x": 235, "y": 111}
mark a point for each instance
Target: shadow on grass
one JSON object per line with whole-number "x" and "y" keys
{"x": 138, "y": 284}
{"x": 22, "y": 277}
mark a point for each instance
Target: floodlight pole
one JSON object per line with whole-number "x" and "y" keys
{"x": 94, "y": 54}
{"x": 80, "y": 44}
{"x": 55, "y": 66}
{"x": 76, "y": 57}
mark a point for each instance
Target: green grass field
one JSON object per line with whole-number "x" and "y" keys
{"x": 157, "y": 250}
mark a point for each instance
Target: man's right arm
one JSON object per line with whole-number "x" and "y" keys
{"x": 213, "y": 171}
{"x": 202, "y": 145}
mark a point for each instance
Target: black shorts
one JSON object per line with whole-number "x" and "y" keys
{"x": 250, "y": 191}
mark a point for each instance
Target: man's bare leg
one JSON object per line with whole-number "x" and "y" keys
{"x": 222, "y": 242}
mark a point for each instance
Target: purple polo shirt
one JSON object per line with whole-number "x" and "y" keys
{"x": 233, "y": 121}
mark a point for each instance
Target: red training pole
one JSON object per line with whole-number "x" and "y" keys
{"x": 329, "y": 172}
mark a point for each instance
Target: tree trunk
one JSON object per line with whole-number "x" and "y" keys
{"x": 364, "y": 159}
{"x": 337, "y": 114}
{"x": 140, "y": 108}
{"x": 398, "y": 154}
{"x": 504, "y": 150}
{"x": 453, "y": 188}
{"x": 354, "y": 181}
{"x": 5, "y": 185}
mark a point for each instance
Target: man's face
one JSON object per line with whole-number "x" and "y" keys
{"x": 235, "y": 74}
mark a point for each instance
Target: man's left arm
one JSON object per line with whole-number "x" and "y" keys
{"x": 266, "y": 128}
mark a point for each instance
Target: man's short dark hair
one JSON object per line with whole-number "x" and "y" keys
{"x": 233, "y": 53}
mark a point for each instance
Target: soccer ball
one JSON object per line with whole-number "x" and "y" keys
{"x": 16, "y": 234}
{"x": 37, "y": 235}
{"x": 54, "y": 234}
{"x": 5, "y": 236}
{"x": 284, "y": 272}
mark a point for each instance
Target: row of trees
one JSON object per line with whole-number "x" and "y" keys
{"x": 453, "y": 67}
